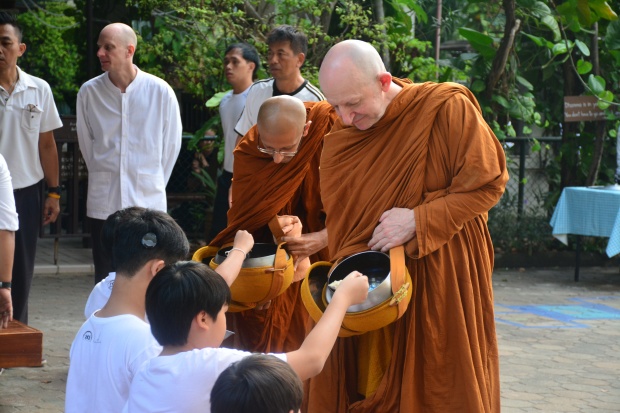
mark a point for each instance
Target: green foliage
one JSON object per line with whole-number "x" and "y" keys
{"x": 51, "y": 53}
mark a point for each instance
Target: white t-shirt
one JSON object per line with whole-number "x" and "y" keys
{"x": 181, "y": 382}
{"x": 8, "y": 214}
{"x": 100, "y": 295}
{"x": 105, "y": 355}
{"x": 27, "y": 112}
{"x": 231, "y": 108}
{"x": 262, "y": 90}
{"x": 130, "y": 142}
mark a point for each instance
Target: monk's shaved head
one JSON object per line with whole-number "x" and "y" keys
{"x": 121, "y": 33}
{"x": 354, "y": 81}
{"x": 352, "y": 58}
{"x": 281, "y": 113}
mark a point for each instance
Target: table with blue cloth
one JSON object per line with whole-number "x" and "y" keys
{"x": 591, "y": 211}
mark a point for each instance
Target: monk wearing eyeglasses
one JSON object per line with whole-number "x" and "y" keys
{"x": 413, "y": 165}
{"x": 276, "y": 173}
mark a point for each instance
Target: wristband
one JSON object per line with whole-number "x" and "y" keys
{"x": 4, "y": 284}
{"x": 53, "y": 195}
{"x": 54, "y": 189}
{"x": 238, "y": 249}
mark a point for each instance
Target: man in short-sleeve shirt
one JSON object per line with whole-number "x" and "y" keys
{"x": 28, "y": 116}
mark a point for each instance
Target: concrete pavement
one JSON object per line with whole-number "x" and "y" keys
{"x": 559, "y": 341}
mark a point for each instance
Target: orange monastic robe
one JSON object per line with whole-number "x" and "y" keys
{"x": 262, "y": 189}
{"x": 431, "y": 152}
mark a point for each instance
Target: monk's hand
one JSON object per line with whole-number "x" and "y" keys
{"x": 396, "y": 227}
{"x": 290, "y": 224}
{"x": 306, "y": 244}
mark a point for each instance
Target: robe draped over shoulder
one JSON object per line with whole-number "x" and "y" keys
{"x": 262, "y": 189}
{"x": 431, "y": 152}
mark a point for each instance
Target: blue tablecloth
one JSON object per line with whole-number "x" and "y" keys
{"x": 588, "y": 211}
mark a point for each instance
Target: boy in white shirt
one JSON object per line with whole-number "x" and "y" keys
{"x": 259, "y": 383}
{"x": 186, "y": 304}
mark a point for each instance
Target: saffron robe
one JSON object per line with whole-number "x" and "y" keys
{"x": 262, "y": 189}
{"x": 431, "y": 152}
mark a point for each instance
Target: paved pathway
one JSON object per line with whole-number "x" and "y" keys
{"x": 559, "y": 340}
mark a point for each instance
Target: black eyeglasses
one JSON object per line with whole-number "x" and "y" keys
{"x": 272, "y": 152}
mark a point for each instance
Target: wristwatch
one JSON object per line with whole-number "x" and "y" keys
{"x": 4, "y": 284}
{"x": 54, "y": 190}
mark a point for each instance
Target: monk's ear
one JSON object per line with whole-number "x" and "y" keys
{"x": 307, "y": 128}
{"x": 385, "y": 79}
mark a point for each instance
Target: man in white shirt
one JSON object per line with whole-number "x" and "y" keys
{"x": 28, "y": 117}
{"x": 287, "y": 52}
{"x": 129, "y": 131}
{"x": 241, "y": 62}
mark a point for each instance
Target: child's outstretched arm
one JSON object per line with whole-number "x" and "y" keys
{"x": 230, "y": 267}
{"x": 309, "y": 360}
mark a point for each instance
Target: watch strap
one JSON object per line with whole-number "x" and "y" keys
{"x": 54, "y": 189}
{"x": 4, "y": 284}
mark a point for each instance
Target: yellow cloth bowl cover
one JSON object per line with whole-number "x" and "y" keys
{"x": 254, "y": 285}
{"x": 390, "y": 310}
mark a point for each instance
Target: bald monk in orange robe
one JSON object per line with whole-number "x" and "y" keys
{"x": 413, "y": 165}
{"x": 274, "y": 183}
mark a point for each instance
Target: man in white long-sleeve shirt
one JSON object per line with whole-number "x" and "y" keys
{"x": 129, "y": 131}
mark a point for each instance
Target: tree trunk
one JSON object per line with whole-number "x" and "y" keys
{"x": 503, "y": 52}
{"x": 600, "y": 128}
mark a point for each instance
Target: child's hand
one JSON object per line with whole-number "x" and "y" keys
{"x": 244, "y": 241}
{"x": 354, "y": 288}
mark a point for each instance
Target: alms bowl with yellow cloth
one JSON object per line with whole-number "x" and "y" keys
{"x": 373, "y": 264}
{"x": 386, "y": 305}
{"x": 266, "y": 272}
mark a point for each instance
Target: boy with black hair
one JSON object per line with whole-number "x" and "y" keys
{"x": 259, "y": 383}
{"x": 115, "y": 341}
{"x": 186, "y": 304}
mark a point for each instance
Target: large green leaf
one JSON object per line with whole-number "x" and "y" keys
{"x": 523, "y": 81}
{"x": 479, "y": 41}
{"x": 597, "y": 84}
{"x": 559, "y": 48}
{"x": 602, "y": 9}
{"x": 583, "y": 48}
{"x": 607, "y": 97}
{"x": 612, "y": 37}
{"x": 583, "y": 67}
{"x": 215, "y": 99}
{"x": 552, "y": 24}
{"x": 538, "y": 40}
{"x": 540, "y": 10}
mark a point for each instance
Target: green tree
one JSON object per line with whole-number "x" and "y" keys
{"x": 51, "y": 54}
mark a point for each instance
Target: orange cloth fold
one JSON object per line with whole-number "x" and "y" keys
{"x": 262, "y": 189}
{"x": 431, "y": 152}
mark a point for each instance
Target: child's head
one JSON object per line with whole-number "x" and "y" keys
{"x": 181, "y": 293}
{"x": 257, "y": 384}
{"x": 141, "y": 235}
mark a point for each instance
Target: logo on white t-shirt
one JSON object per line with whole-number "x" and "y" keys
{"x": 88, "y": 336}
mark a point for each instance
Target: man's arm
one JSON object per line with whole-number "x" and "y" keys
{"x": 172, "y": 136}
{"x": 309, "y": 360}
{"x": 7, "y": 251}
{"x": 84, "y": 132}
{"x": 49, "y": 162}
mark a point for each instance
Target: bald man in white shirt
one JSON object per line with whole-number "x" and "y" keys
{"x": 129, "y": 131}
